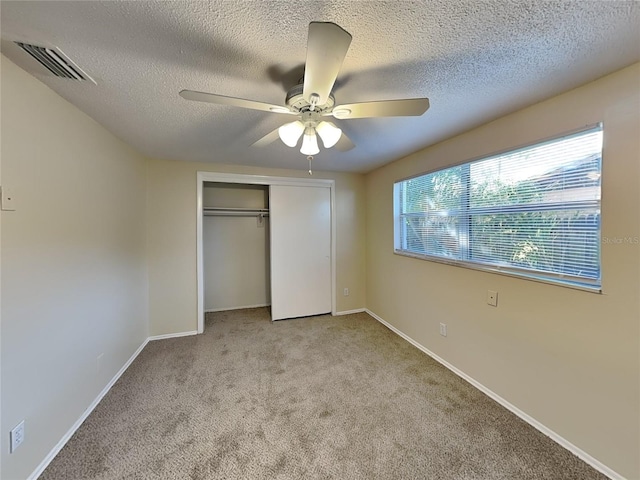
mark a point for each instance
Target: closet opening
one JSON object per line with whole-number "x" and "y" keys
{"x": 235, "y": 246}
{"x": 265, "y": 242}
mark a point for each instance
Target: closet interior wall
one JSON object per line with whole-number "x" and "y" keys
{"x": 235, "y": 247}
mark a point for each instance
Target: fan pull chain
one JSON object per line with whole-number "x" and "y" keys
{"x": 310, "y": 158}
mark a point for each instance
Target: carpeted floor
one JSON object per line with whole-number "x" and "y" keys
{"x": 314, "y": 398}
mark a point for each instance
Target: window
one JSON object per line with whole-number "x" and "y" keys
{"x": 532, "y": 212}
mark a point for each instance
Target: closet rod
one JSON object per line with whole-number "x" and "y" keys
{"x": 236, "y": 212}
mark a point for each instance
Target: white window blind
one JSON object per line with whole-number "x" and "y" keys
{"x": 534, "y": 211}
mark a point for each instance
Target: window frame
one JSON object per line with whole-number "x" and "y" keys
{"x": 551, "y": 278}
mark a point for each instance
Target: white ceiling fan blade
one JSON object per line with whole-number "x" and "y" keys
{"x": 327, "y": 46}
{"x": 410, "y": 107}
{"x": 236, "y": 102}
{"x": 344, "y": 143}
{"x": 267, "y": 139}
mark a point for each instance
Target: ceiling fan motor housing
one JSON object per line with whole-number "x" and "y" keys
{"x": 310, "y": 118}
{"x": 296, "y": 101}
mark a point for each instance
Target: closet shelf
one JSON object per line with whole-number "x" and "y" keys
{"x": 236, "y": 212}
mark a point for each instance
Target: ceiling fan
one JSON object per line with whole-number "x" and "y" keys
{"x": 312, "y": 99}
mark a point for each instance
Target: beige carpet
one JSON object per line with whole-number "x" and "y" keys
{"x": 313, "y": 398}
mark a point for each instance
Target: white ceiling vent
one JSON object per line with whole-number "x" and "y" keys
{"x": 55, "y": 62}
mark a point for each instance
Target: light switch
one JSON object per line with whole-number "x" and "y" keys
{"x": 443, "y": 329}
{"x": 8, "y": 201}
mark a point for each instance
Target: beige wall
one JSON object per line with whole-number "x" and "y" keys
{"x": 568, "y": 358}
{"x": 235, "y": 249}
{"x": 171, "y": 190}
{"x": 74, "y": 273}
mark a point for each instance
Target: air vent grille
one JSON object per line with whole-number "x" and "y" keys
{"x": 54, "y": 61}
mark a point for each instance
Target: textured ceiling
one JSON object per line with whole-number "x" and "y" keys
{"x": 475, "y": 60}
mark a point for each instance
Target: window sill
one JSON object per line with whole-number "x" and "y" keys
{"x": 500, "y": 271}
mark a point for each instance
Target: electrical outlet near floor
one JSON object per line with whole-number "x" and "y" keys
{"x": 492, "y": 298}
{"x": 443, "y": 329}
{"x": 346, "y": 292}
{"x": 16, "y": 437}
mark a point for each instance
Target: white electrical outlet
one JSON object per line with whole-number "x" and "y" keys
{"x": 492, "y": 298}
{"x": 16, "y": 437}
{"x": 443, "y": 329}
{"x": 346, "y": 292}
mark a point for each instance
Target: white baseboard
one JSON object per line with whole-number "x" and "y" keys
{"x": 63, "y": 441}
{"x": 172, "y": 335}
{"x": 349, "y": 312}
{"x": 601, "y": 467}
{"x": 236, "y": 308}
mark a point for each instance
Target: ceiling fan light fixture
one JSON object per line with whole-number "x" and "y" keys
{"x": 310, "y": 142}
{"x": 329, "y": 133}
{"x": 290, "y": 133}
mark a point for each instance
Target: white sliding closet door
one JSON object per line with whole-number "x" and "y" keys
{"x": 300, "y": 223}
